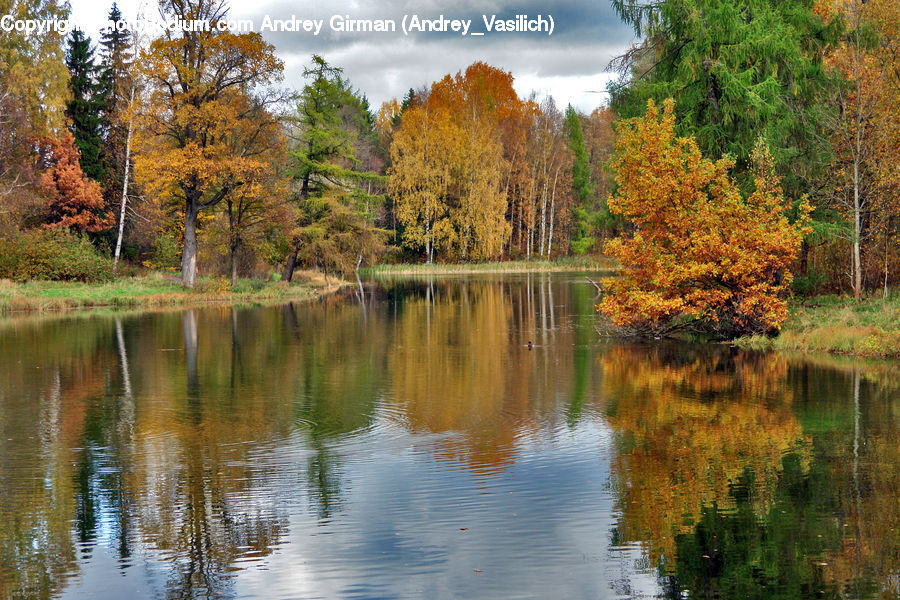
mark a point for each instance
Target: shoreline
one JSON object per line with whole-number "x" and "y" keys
{"x": 155, "y": 291}
{"x": 837, "y": 326}
{"x": 557, "y": 265}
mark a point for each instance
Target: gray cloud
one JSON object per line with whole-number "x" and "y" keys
{"x": 573, "y": 60}
{"x": 587, "y": 35}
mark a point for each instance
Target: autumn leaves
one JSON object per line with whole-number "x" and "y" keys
{"x": 448, "y": 163}
{"x": 476, "y": 171}
{"x": 701, "y": 256}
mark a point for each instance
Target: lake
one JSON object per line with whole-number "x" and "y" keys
{"x": 401, "y": 440}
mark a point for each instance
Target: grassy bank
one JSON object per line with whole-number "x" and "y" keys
{"x": 569, "y": 263}
{"x": 838, "y": 325}
{"x": 155, "y": 290}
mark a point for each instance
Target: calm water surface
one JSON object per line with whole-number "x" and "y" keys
{"x": 404, "y": 442}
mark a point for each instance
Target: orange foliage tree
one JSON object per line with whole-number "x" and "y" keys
{"x": 454, "y": 157}
{"x": 75, "y": 200}
{"x": 199, "y": 87}
{"x": 700, "y": 256}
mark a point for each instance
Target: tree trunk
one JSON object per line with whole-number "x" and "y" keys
{"x": 857, "y": 266}
{"x": 124, "y": 187}
{"x": 189, "y": 255}
{"x": 429, "y": 246}
{"x": 291, "y": 263}
{"x": 234, "y": 249}
{"x": 887, "y": 235}
{"x": 857, "y": 158}
{"x": 552, "y": 211}
{"x": 543, "y": 218}
{"x": 289, "y": 266}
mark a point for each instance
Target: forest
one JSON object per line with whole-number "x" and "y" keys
{"x": 748, "y": 150}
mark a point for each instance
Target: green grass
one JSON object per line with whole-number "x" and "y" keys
{"x": 154, "y": 290}
{"x": 838, "y": 325}
{"x": 569, "y": 263}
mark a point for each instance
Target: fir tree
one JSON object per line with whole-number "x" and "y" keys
{"x": 117, "y": 55}
{"x": 331, "y": 118}
{"x": 85, "y": 105}
{"x": 116, "y": 81}
{"x": 739, "y": 70}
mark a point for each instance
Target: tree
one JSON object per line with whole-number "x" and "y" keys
{"x": 884, "y": 17}
{"x": 75, "y": 200}
{"x": 197, "y": 83}
{"x": 116, "y": 41}
{"x": 330, "y": 117}
{"x": 737, "y": 70}
{"x": 600, "y": 141}
{"x": 32, "y": 101}
{"x": 550, "y": 161}
{"x": 119, "y": 87}
{"x": 85, "y": 104}
{"x": 582, "y": 187}
{"x": 261, "y": 137}
{"x": 854, "y": 134}
{"x": 700, "y": 255}
{"x": 32, "y": 69}
{"x": 449, "y": 177}
{"x": 419, "y": 178}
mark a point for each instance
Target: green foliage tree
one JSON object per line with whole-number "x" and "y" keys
{"x": 330, "y": 117}
{"x": 739, "y": 70}
{"x": 116, "y": 80}
{"x": 582, "y": 187}
{"x": 85, "y": 104}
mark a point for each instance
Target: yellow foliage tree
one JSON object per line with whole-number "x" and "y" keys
{"x": 448, "y": 171}
{"x": 196, "y": 106}
{"x": 420, "y": 176}
{"x": 700, "y": 255}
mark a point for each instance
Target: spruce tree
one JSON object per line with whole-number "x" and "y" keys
{"x": 739, "y": 70}
{"x": 117, "y": 55}
{"x": 84, "y": 108}
{"x": 116, "y": 81}
{"x": 331, "y": 118}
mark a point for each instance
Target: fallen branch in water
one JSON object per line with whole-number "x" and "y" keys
{"x": 596, "y": 285}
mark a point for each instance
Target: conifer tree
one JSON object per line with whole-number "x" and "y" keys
{"x": 115, "y": 80}
{"x": 330, "y": 116}
{"x": 117, "y": 53}
{"x": 118, "y": 85}
{"x": 739, "y": 70}
{"x": 85, "y": 104}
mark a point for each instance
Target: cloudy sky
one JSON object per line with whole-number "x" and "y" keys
{"x": 569, "y": 64}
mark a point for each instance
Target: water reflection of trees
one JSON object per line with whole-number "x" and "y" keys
{"x": 460, "y": 364}
{"x": 756, "y": 477}
{"x": 691, "y": 424}
{"x": 155, "y": 432}
{"x": 162, "y": 435}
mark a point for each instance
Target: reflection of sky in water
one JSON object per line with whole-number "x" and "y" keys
{"x": 415, "y": 527}
{"x": 410, "y": 523}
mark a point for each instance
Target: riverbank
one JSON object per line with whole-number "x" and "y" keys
{"x": 837, "y": 325}
{"x": 156, "y": 290}
{"x": 568, "y": 263}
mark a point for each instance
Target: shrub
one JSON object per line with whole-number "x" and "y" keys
{"x": 54, "y": 254}
{"x": 701, "y": 256}
{"x": 166, "y": 253}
